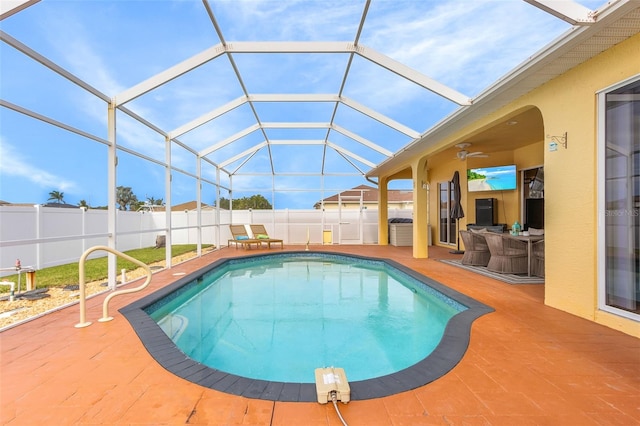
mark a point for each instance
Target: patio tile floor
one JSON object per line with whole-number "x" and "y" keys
{"x": 527, "y": 364}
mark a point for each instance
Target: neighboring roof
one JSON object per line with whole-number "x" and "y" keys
{"x": 60, "y": 205}
{"x": 370, "y": 195}
{"x": 189, "y": 205}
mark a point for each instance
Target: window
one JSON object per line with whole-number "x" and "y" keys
{"x": 619, "y": 285}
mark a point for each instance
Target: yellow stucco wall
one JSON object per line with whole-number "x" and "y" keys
{"x": 567, "y": 104}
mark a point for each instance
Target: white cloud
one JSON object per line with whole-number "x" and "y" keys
{"x": 16, "y": 165}
{"x": 69, "y": 38}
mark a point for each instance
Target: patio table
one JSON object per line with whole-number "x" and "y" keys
{"x": 530, "y": 239}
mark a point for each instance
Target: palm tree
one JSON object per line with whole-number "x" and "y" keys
{"x": 83, "y": 203}
{"x": 57, "y": 196}
{"x": 125, "y": 197}
{"x": 153, "y": 202}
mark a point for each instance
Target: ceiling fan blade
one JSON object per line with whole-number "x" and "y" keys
{"x": 476, "y": 154}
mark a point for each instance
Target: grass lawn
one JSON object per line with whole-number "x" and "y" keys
{"x": 96, "y": 269}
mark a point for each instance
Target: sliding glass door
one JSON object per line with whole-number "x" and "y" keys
{"x": 620, "y": 282}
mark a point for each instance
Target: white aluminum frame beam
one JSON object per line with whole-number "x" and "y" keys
{"x": 380, "y": 118}
{"x": 295, "y": 125}
{"x": 362, "y": 140}
{"x": 169, "y": 74}
{"x": 413, "y": 76}
{"x": 231, "y": 139}
{"x": 52, "y": 65}
{"x": 296, "y": 142}
{"x": 11, "y": 7}
{"x": 51, "y": 121}
{"x": 567, "y": 10}
{"x": 348, "y": 47}
{"x": 205, "y": 118}
{"x": 338, "y": 129}
{"x": 350, "y": 154}
{"x": 296, "y": 97}
{"x": 249, "y": 151}
{"x": 290, "y": 47}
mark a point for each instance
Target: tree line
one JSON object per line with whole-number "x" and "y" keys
{"x": 127, "y": 200}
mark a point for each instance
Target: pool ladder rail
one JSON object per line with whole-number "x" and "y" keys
{"x": 105, "y": 305}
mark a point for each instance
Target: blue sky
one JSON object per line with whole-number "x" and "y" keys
{"x": 114, "y": 45}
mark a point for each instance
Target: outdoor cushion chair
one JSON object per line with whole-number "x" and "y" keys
{"x": 260, "y": 233}
{"x": 476, "y": 251}
{"x": 241, "y": 237}
{"x": 508, "y": 255}
{"x": 537, "y": 260}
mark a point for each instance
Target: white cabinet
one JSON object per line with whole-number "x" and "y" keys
{"x": 401, "y": 234}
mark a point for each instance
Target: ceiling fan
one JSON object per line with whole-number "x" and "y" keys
{"x": 463, "y": 153}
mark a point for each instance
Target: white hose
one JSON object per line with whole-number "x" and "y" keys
{"x": 334, "y": 398}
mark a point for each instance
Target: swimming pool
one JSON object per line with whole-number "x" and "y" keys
{"x": 389, "y": 327}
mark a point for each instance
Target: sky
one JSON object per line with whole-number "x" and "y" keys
{"x": 114, "y": 45}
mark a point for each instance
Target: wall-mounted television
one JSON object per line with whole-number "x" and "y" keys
{"x": 497, "y": 178}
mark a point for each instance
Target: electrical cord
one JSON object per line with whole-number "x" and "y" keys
{"x": 334, "y": 398}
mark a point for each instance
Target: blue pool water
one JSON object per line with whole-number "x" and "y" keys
{"x": 279, "y": 318}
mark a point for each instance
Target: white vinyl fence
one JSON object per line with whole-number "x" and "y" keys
{"x": 46, "y": 236}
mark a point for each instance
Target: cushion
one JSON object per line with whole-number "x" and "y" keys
{"x": 242, "y": 237}
{"x": 262, "y": 237}
{"x": 535, "y": 231}
{"x": 478, "y": 231}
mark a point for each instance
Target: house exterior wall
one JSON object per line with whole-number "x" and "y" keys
{"x": 568, "y": 104}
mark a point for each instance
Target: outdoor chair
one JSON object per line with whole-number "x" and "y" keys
{"x": 260, "y": 233}
{"x": 508, "y": 255}
{"x": 537, "y": 260}
{"x": 241, "y": 237}
{"x": 476, "y": 251}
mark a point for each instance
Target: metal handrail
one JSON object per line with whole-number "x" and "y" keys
{"x": 105, "y": 305}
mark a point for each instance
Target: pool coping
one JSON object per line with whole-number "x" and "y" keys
{"x": 444, "y": 358}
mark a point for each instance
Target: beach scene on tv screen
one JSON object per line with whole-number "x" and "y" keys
{"x": 498, "y": 178}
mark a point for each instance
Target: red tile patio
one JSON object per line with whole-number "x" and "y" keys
{"x": 527, "y": 364}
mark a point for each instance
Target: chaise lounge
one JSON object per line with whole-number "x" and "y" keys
{"x": 241, "y": 237}
{"x": 260, "y": 234}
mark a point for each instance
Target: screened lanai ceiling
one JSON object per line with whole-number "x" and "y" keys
{"x": 274, "y": 96}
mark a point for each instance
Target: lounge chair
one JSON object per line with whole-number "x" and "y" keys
{"x": 476, "y": 251}
{"x": 260, "y": 233}
{"x": 508, "y": 255}
{"x": 241, "y": 237}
